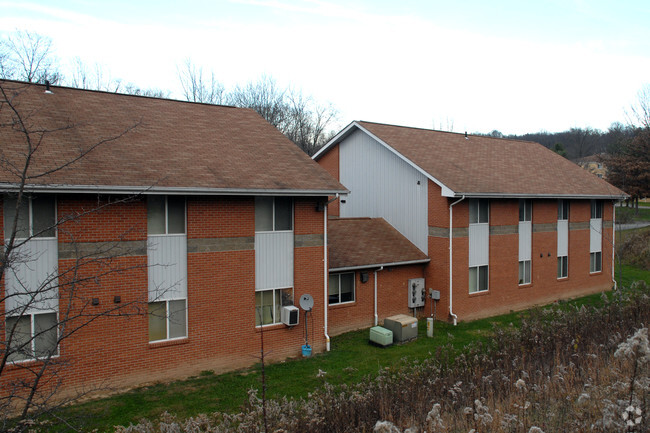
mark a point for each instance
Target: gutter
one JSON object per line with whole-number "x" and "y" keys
{"x": 451, "y": 250}
{"x": 539, "y": 196}
{"x": 112, "y": 189}
{"x": 380, "y": 265}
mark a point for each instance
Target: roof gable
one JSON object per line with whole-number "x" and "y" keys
{"x": 155, "y": 144}
{"x": 474, "y": 165}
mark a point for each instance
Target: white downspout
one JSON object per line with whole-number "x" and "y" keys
{"x": 326, "y": 277}
{"x": 451, "y": 251}
{"x": 377, "y": 270}
{"x": 614, "y": 244}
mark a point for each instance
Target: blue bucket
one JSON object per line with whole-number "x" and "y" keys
{"x": 306, "y": 350}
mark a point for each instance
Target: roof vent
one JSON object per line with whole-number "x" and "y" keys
{"x": 466, "y": 137}
{"x": 47, "y": 86}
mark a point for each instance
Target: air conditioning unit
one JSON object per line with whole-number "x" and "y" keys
{"x": 290, "y": 315}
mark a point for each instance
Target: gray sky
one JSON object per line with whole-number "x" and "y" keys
{"x": 516, "y": 66}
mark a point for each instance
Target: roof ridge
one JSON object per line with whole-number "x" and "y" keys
{"x": 116, "y": 93}
{"x": 447, "y": 132}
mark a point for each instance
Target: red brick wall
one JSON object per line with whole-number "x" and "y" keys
{"x": 392, "y": 298}
{"x": 330, "y": 162}
{"x": 221, "y": 296}
{"x": 505, "y": 294}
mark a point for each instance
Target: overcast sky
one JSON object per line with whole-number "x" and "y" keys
{"x": 517, "y": 66}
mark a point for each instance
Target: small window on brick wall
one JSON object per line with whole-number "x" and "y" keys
{"x": 524, "y": 272}
{"x": 563, "y": 267}
{"x": 595, "y": 262}
{"x": 167, "y": 320}
{"x": 341, "y": 288}
{"x": 478, "y": 279}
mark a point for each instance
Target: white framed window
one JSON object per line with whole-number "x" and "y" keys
{"x": 33, "y": 336}
{"x": 595, "y": 262}
{"x": 269, "y": 303}
{"x": 524, "y": 272}
{"x": 273, "y": 214}
{"x": 562, "y": 267}
{"x": 165, "y": 215}
{"x": 341, "y": 288}
{"x": 36, "y": 216}
{"x": 525, "y": 210}
{"x": 479, "y": 211}
{"x": 167, "y": 259}
{"x": 596, "y": 209}
{"x": 563, "y": 210}
{"x": 167, "y": 319}
{"x": 478, "y": 279}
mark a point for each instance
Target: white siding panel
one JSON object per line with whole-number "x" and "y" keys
{"x": 273, "y": 260}
{"x": 167, "y": 265}
{"x": 32, "y": 281}
{"x": 479, "y": 244}
{"x": 562, "y": 238}
{"x": 383, "y": 185}
{"x": 595, "y": 235}
{"x": 525, "y": 240}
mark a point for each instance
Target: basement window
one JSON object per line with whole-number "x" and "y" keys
{"x": 562, "y": 267}
{"x": 167, "y": 320}
{"x": 595, "y": 262}
{"x": 269, "y": 303}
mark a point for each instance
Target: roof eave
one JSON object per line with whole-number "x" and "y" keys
{"x": 539, "y": 196}
{"x": 379, "y": 265}
{"x": 134, "y": 190}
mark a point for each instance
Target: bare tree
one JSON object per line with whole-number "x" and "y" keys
{"x": 196, "y": 87}
{"x": 45, "y": 306}
{"x": 265, "y": 97}
{"x": 639, "y": 112}
{"x": 95, "y": 78}
{"x": 27, "y": 56}
{"x": 307, "y": 122}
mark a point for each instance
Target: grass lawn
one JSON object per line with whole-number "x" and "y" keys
{"x": 351, "y": 359}
{"x": 624, "y": 213}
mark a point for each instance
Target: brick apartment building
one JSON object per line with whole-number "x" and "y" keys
{"x": 155, "y": 237}
{"x": 506, "y": 224}
{"x": 159, "y": 238}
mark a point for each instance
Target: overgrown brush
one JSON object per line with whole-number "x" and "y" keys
{"x": 565, "y": 369}
{"x": 635, "y": 249}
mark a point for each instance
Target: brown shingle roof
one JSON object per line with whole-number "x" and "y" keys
{"x": 364, "y": 242}
{"x": 172, "y": 144}
{"x": 491, "y": 166}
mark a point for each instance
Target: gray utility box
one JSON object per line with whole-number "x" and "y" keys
{"x": 404, "y": 327}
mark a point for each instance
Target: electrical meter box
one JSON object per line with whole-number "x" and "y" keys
{"x": 404, "y": 327}
{"x": 416, "y": 292}
{"x": 381, "y": 336}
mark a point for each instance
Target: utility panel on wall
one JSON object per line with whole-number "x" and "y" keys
{"x": 416, "y": 292}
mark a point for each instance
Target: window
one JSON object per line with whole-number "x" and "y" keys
{"x": 595, "y": 262}
{"x": 479, "y": 211}
{"x": 269, "y": 303}
{"x": 563, "y": 210}
{"x": 273, "y": 214}
{"x": 165, "y": 215}
{"x": 478, "y": 279}
{"x": 34, "y": 336}
{"x": 524, "y": 272}
{"x": 596, "y": 209}
{"x": 525, "y": 210}
{"x": 562, "y": 267}
{"x": 167, "y": 320}
{"x": 341, "y": 288}
{"x": 36, "y": 217}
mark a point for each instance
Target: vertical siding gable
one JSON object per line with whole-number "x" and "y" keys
{"x": 383, "y": 185}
